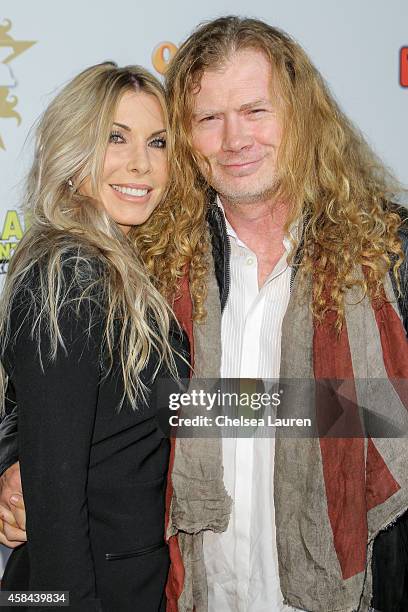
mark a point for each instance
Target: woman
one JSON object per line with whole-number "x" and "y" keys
{"x": 85, "y": 336}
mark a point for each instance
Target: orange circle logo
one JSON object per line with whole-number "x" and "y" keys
{"x": 162, "y": 55}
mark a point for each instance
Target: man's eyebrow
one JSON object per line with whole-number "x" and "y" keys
{"x": 260, "y": 102}
{"x": 199, "y": 112}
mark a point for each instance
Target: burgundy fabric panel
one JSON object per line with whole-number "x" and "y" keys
{"x": 342, "y": 458}
{"x": 380, "y": 484}
{"x": 393, "y": 340}
{"x": 183, "y": 309}
{"x": 175, "y": 580}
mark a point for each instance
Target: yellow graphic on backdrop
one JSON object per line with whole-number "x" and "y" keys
{"x": 11, "y": 233}
{"x": 162, "y": 56}
{"x": 9, "y": 50}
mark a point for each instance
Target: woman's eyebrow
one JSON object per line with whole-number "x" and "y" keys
{"x": 163, "y": 131}
{"x": 128, "y": 129}
{"x": 122, "y": 125}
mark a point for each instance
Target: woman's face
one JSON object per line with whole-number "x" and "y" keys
{"x": 135, "y": 167}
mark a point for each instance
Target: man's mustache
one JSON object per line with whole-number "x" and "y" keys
{"x": 232, "y": 161}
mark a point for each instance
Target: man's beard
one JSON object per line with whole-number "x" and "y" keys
{"x": 266, "y": 189}
{"x": 240, "y": 196}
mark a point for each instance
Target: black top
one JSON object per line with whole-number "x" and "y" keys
{"x": 93, "y": 476}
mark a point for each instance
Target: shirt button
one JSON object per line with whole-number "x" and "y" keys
{"x": 249, "y": 261}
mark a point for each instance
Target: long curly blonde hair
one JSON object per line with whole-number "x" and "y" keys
{"x": 66, "y": 226}
{"x": 326, "y": 172}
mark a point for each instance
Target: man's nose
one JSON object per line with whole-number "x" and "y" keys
{"x": 139, "y": 162}
{"x": 236, "y": 134}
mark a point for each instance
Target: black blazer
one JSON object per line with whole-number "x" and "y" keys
{"x": 93, "y": 476}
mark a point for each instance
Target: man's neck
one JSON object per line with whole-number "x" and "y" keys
{"x": 260, "y": 226}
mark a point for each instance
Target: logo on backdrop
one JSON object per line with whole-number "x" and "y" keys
{"x": 162, "y": 55}
{"x": 9, "y": 50}
{"x": 11, "y": 232}
{"x": 404, "y": 67}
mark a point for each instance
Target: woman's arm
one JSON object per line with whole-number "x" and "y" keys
{"x": 57, "y": 401}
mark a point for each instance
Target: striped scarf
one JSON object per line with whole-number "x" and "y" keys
{"x": 333, "y": 495}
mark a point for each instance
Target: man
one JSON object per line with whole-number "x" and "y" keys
{"x": 294, "y": 189}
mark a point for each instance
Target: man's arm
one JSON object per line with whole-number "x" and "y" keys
{"x": 12, "y": 512}
{"x": 8, "y": 438}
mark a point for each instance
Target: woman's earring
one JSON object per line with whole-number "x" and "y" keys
{"x": 71, "y": 185}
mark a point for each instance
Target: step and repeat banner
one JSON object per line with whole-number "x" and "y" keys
{"x": 360, "y": 47}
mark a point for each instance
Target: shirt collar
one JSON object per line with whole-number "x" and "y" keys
{"x": 293, "y": 230}
{"x": 230, "y": 230}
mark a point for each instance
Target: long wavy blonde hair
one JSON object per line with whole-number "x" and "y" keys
{"x": 66, "y": 226}
{"x": 326, "y": 172}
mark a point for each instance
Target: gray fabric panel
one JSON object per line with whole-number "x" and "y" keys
{"x": 309, "y": 570}
{"x": 207, "y": 335}
{"x": 194, "y": 595}
{"x": 297, "y": 333}
{"x": 200, "y": 500}
{"x": 376, "y": 394}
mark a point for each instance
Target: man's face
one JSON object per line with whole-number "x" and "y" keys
{"x": 236, "y": 126}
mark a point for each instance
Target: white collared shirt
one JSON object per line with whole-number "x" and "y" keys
{"x": 241, "y": 563}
